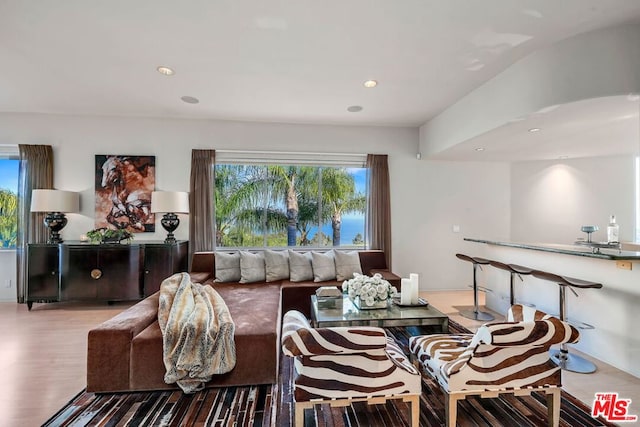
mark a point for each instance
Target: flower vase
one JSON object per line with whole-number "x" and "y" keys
{"x": 361, "y": 305}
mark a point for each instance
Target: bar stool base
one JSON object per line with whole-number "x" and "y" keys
{"x": 572, "y": 362}
{"x": 477, "y": 315}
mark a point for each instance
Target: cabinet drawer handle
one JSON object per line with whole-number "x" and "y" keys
{"x": 96, "y": 273}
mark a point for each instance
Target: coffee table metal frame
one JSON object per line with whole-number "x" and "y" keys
{"x": 349, "y": 315}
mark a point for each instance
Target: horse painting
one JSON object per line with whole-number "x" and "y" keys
{"x": 123, "y": 192}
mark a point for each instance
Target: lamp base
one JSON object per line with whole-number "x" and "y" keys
{"x": 55, "y": 221}
{"x": 170, "y": 222}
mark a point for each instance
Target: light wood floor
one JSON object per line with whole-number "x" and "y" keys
{"x": 43, "y": 355}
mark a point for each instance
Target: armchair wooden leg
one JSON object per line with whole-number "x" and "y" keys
{"x": 553, "y": 407}
{"x": 299, "y": 409}
{"x": 451, "y": 410}
{"x": 415, "y": 411}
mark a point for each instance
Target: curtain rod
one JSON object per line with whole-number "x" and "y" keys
{"x": 295, "y": 153}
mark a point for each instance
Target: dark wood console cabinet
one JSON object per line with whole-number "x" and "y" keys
{"x": 110, "y": 272}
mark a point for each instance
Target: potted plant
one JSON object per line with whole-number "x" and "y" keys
{"x": 108, "y": 235}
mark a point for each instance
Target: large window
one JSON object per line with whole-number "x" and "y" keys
{"x": 278, "y": 205}
{"x": 8, "y": 202}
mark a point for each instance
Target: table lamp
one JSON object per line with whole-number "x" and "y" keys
{"x": 170, "y": 203}
{"x": 55, "y": 203}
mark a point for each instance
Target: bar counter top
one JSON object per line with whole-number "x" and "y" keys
{"x": 577, "y": 250}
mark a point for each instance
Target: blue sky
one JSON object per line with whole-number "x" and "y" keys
{"x": 9, "y": 174}
{"x": 360, "y": 174}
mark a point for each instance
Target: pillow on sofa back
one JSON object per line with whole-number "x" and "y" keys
{"x": 227, "y": 267}
{"x": 347, "y": 263}
{"x": 277, "y": 265}
{"x": 324, "y": 267}
{"x": 251, "y": 267}
{"x": 300, "y": 266}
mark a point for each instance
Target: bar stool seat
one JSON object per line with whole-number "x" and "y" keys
{"x": 513, "y": 269}
{"x": 475, "y": 314}
{"x": 569, "y": 362}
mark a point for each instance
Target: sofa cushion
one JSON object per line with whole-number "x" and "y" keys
{"x": 324, "y": 267}
{"x": 276, "y": 265}
{"x": 300, "y": 266}
{"x": 251, "y": 267}
{"x": 347, "y": 263}
{"x": 227, "y": 267}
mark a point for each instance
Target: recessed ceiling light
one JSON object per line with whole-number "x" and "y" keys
{"x": 190, "y": 99}
{"x": 165, "y": 70}
{"x": 534, "y": 130}
{"x": 479, "y": 149}
{"x": 354, "y": 109}
{"x": 370, "y": 83}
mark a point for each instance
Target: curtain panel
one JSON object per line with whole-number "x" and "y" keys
{"x": 35, "y": 172}
{"x": 201, "y": 201}
{"x": 379, "y": 205}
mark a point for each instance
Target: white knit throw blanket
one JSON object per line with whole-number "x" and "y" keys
{"x": 197, "y": 333}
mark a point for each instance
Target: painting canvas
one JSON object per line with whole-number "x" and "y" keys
{"x": 123, "y": 192}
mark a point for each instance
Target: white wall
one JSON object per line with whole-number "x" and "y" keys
{"x": 471, "y": 195}
{"x": 76, "y": 140}
{"x": 7, "y": 273}
{"x": 427, "y": 197}
{"x": 551, "y": 200}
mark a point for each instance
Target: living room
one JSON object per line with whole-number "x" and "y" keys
{"x": 438, "y": 196}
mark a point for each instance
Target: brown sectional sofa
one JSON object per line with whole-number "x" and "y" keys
{"x": 125, "y": 352}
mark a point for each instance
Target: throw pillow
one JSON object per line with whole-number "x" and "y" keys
{"x": 324, "y": 267}
{"x": 300, "y": 266}
{"x": 251, "y": 267}
{"x": 227, "y": 267}
{"x": 347, "y": 263}
{"x": 277, "y": 265}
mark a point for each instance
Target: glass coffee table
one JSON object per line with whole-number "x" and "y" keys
{"x": 345, "y": 313}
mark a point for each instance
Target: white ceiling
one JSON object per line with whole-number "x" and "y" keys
{"x": 293, "y": 61}
{"x": 608, "y": 126}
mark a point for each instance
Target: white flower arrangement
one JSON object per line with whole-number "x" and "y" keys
{"x": 369, "y": 289}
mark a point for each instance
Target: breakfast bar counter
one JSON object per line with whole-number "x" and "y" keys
{"x": 578, "y": 250}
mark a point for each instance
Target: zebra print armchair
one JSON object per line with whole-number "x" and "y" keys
{"x": 341, "y": 365}
{"x": 505, "y": 357}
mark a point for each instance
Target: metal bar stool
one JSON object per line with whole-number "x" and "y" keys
{"x": 569, "y": 362}
{"x": 513, "y": 269}
{"x": 475, "y": 314}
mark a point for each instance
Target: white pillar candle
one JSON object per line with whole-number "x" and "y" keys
{"x": 405, "y": 292}
{"x": 415, "y": 288}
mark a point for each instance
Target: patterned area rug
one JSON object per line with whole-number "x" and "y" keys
{"x": 271, "y": 405}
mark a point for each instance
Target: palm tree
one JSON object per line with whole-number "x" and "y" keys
{"x": 8, "y": 218}
{"x": 309, "y": 215}
{"x": 243, "y": 202}
{"x": 339, "y": 194}
{"x": 291, "y": 181}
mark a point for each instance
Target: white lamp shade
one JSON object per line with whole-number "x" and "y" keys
{"x": 54, "y": 201}
{"x": 170, "y": 201}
